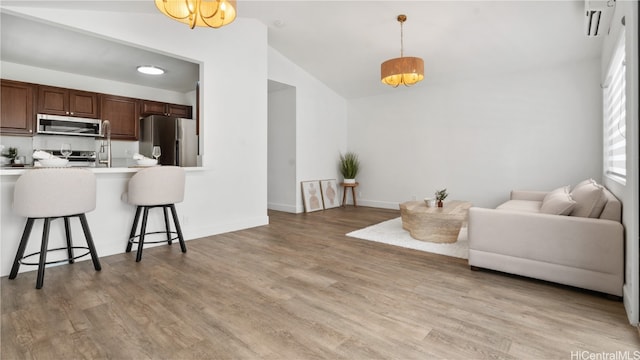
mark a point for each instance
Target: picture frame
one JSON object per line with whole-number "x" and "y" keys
{"x": 312, "y": 196}
{"x": 330, "y": 193}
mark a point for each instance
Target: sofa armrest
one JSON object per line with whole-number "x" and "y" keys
{"x": 528, "y": 195}
{"x": 587, "y": 243}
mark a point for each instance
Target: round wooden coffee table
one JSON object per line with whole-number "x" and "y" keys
{"x": 434, "y": 224}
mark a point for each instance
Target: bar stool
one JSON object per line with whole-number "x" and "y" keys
{"x": 160, "y": 186}
{"x": 50, "y": 194}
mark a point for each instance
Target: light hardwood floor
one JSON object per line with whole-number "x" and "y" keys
{"x": 299, "y": 289}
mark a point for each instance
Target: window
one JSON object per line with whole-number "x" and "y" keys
{"x": 614, "y": 109}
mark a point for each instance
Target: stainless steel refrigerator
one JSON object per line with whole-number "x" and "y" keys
{"x": 176, "y": 137}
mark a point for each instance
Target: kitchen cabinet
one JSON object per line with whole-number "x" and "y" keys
{"x": 160, "y": 108}
{"x": 122, "y": 113}
{"x": 70, "y": 102}
{"x": 17, "y": 104}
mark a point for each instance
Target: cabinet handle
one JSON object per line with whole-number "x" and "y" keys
{"x": 72, "y": 113}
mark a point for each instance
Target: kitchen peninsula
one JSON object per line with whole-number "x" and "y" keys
{"x": 230, "y": 192}
{"x": 110, "y": 222}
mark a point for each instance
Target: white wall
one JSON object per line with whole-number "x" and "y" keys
{"x": 321, "y": 118}
{"x": 628, "y": 193}
{"x": 232, "y": 193}
{"x": 282, "y": 148}
{"x": 479, "y": 138}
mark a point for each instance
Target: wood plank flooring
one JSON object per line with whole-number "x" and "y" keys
{"x": 299, "y": 289}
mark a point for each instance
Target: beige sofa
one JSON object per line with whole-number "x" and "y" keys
{"x": 569, "y": 237}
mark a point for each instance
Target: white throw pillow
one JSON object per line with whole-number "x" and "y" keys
{"x": 558, "y": 202}
{"x": 584, "y": 182}
{"x": 590, "y": 200}
{"x": 561, "y": 190}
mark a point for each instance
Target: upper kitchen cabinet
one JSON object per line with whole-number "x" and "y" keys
{"x": 160, "y": 108}
{"x": 61, "y": 101}
{"x": 122, "y": 113}
{"x": 17, "y": 117}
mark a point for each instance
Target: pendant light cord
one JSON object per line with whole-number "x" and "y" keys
{"x": 401, "y": 39}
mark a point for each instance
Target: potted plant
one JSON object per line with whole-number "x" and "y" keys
{"x": 12, "y": 153}
{"x": 440, "y": 196}
{"x": 349, "y": 167}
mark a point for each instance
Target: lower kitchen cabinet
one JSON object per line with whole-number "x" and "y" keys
{"x": 17, "y": 104}
{"x": 122, "y": 113}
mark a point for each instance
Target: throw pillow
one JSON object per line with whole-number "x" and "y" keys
{"x": 590, "y": 200}
{"x": 558, "y": 202}
{"x": 584, "y": 182}
{"x": 561, "y": 190}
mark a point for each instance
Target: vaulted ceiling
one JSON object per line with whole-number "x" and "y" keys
{"x": 342, "y": 43}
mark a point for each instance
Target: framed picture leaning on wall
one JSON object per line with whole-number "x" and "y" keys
{"x": 330, "y": 193}
{"x": 311, "y": 196}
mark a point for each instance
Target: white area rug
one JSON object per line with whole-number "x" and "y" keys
{"x": 391, "y": 232}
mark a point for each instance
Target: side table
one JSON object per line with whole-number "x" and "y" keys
{"x": 353, "y": 187}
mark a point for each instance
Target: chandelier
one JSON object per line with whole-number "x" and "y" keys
{"x": 212, "y": 13}
{"x": 402, "y": 70}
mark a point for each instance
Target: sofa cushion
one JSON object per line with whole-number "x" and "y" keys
{"x": 521, "y": 205}
{"x": 590, "y": 199}
{"x": 558, "y": 202}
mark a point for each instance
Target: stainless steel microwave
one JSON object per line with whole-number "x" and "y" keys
{"x": 68, "y": 125}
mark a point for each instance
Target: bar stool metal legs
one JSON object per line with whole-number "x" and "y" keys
{"x": 21, "y": 247}
{"x": 89, "y": 238}
{"x": 143, "y": 229}
{"x": 44, "y": 247}
{"x": 67, "y": 232}
{"x": 34, "y": 198}
{"x": 183, "y": 247}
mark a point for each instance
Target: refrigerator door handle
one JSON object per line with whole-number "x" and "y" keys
{"x": 178, "y": 158}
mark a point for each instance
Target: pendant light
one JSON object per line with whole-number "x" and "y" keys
{"x": 402, "y": 70}
{"x": 212, "y": 13}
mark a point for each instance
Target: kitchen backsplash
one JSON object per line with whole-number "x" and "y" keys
{"x": 122, "y": 151}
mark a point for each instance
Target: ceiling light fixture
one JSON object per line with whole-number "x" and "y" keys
{"x": 150, "y": 70}
{"x": 212, "y": 13}
{"x": 402, "y": 70}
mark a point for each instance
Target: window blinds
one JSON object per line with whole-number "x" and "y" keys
{"x": 614, "y": 109}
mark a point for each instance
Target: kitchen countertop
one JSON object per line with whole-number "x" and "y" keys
{"x": 97, "y": 170}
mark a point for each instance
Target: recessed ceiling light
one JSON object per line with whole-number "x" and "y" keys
{"x": 150, "y": 70}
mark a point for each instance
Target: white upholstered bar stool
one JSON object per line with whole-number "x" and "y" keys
{"x": 158, "y": 186}
{"x": 50, "y": 194}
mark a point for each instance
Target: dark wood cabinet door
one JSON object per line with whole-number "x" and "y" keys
{"x": 61, "y": 101}
{"x": 160, "y": 108}
{"x": 153, "y": 108}
{"x": 122, "y": 113}
{"x": 83, "y": 104}
{"x": 53, "y": 100}
{"x": 180, "y": 111}
{"x": 17, "y": 116}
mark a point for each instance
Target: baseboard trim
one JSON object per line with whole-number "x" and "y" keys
{"x": 379, "y": 204}
{"x": 220, "y": 228}
{"x": 283, "y": 207}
